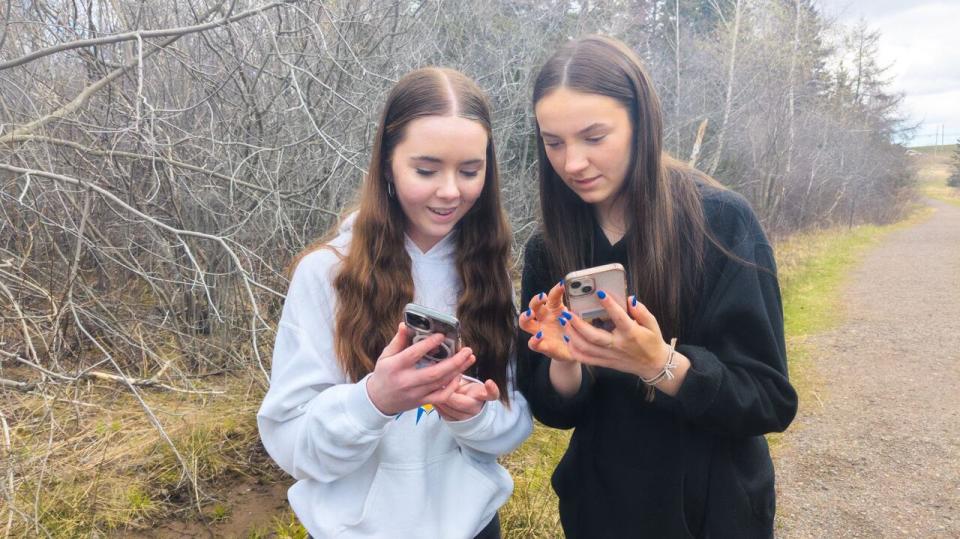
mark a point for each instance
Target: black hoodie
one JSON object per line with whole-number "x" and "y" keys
{"x": 693, "y": 465}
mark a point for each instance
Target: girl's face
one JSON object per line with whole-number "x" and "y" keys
{"x": 438, "y": 171}
{"x": 588, "y": 139}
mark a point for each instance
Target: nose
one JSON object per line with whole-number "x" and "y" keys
{"x": 448, "y": 188}
{"x": 575, "y": 161}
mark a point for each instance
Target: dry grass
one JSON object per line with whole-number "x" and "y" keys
{"x": 87, "y": 462}
{"x": 90, "y": 462}
{"x": 933, "y": 174}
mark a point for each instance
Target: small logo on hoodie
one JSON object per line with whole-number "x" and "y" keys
{"x": 423, "y": 410}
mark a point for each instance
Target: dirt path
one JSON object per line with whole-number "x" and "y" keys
{"x": 878, "y": 454}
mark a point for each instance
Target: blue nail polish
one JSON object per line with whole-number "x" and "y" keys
{"x": 539, "y": 334}
{"x": 563, "y": 321}
{"x": 529, "y": 312}
{"x": 566, "y": 339}
{"x": 561, "y": 282}
{"x": 541, "y": 295}
{"x": 634, "y": 302}
{"x": 601, "y": 294}
{"x": 566, "y": 315}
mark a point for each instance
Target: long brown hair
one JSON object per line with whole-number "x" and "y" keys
{"x": 664, "y": 214}
{"x": 374, "y": 281}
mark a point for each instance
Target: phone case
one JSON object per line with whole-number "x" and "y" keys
{"x": 422, "y": 322}
{"x": 580, "y": 292}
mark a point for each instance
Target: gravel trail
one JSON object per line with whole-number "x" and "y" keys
{"x": 877, "y": 452}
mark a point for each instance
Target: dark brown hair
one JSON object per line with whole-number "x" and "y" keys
{"x": 664, "y": 214}
{"x": 374, "y": 281}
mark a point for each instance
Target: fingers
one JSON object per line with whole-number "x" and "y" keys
{"x": 493, "y": 391}
{"x": 578, "y": 328}
{"x": 528, "y": 322}
{"x": 639, "y": 312}
{"x": 555, "y": 297}
{"x": 411, "y": 354}
{"x": 442, "y": 394}
{"x": 551, "y": 347}
{"x": 398, "y": 343}
{"x": 616, "y": 311}
{"x": 444, "y": 370}
{"x": 484, "y": 391}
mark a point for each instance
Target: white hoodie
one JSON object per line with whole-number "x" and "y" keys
{"x": 361, "y": 473}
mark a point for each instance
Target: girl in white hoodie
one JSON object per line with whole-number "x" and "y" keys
{"x": 379, "y": 447}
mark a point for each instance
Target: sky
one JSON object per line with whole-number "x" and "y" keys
{"x": 918, "y": 40}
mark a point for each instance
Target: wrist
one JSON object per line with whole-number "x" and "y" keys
{"x": 650, "y": 369}
{"x": 373, "y": 393}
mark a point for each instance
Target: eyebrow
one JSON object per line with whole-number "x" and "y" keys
{"x": 431, "y": 159}
{"x": 581, "y": 132}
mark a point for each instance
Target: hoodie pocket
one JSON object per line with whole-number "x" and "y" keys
{"x": 447, "y": 498}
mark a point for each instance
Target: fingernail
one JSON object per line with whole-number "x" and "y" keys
{"x": 601, "y": 294}
{"x": 561, "y": 282}
{"x": 566, "y": 315}
{"x": 541, "y": 295}
{"x": 566, "y": 339}
{"x": 539, "y": 334}
{"x": 529, "y": 312}
{"x": 563, "y": 321}
{"x": 634, "y": 302}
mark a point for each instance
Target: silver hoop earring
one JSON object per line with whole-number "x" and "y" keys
{"x": 391, "y": 192}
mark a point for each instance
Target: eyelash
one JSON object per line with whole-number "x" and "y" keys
{"x": 591, "y": 140}
{"x": 427, "y": 173}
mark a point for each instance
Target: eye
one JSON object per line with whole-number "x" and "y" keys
{"x": 426, "y": 172}
{"x": 596, "y": 139}
{"x": 470, "y": 173}
{"x": 552, "y": 144}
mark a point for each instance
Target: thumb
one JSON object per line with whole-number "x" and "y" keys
{"x": 493, "y": 392}
{"x": 399, "y": 342}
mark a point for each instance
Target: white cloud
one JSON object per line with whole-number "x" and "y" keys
{"x": 917, "y": 41}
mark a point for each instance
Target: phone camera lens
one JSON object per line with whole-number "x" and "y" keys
{"x": 575, "y": 285}
{"x": 587, "y": 289}
{"x": 418, "y": 321}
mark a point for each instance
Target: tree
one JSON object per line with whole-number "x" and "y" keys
{"x": 954, "y": 179}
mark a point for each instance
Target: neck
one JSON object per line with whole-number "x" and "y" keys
{"x": 611, "y": 216}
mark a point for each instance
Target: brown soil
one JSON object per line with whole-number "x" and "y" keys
{"x": 252, "y": 506}
{"x": 876, "y": 453}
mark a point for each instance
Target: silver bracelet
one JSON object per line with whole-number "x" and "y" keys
{"x": 665, "y": 373}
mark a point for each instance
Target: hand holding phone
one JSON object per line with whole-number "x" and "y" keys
{"x": 581, "y": 288}
{"x": 398, "y": 384}
{"x": 422, "y": 322}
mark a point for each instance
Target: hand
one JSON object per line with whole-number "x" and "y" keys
{"x": 542, "y": 320}
{"x": 468, "y": 400}
{"x": 635, "y": 346}
{"x": 398, "y": 385}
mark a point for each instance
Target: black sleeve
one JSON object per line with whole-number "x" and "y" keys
{"x": 533, "y": 369}
{"x": 737, "y": 384}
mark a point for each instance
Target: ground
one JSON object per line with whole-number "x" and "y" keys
{"x": 876, "y": 453}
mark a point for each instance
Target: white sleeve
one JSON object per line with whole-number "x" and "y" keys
{"x": 497, "y": 429}
{"x": 313, "y": 422}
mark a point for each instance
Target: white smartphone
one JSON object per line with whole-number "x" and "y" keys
{"x": 580, "y": 291}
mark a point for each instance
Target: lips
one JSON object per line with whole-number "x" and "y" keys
{"x": 585, "y": 182}
{"x": 443, "y": 212}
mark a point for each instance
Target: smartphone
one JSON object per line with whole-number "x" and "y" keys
{"x": 580, "y": 292}
{"x": 422, "y": 322}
